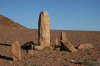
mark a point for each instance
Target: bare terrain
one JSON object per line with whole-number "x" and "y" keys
{"x": 11, "y": 31}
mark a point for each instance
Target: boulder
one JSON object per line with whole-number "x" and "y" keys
{"x": 85, "y": 46}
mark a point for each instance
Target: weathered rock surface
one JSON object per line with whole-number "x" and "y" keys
{"x": 63, "y": 36}
{"x": 57, "y": 45}
{"x": 44, "y": 30}
{"x": 16, "y": 51}
{"x": 86, "y": 46}
{"x": 66, "y": 43}
{"x": 39, "y": 47}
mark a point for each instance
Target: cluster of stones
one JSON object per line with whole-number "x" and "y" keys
{"x": 43, "y": 38}
{"x": 44, "y": 34}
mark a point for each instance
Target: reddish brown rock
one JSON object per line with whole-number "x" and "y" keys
{"x": 56, "y": 46}
{"x": 16, "y": 51}
{"x": 44, "y": 30}
{"x": 30, "y": 52}
{"x": 67, "y": 43}
{"x": 86, "y": 46}
{"x": 63, "y": 36}
{"x": 39, "y": 47}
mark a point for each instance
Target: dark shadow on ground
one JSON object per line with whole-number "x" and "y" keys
{"x": 63, "y": 48}
{"x": 4, "y": 44}
{"x": 6, "y": 58}
{"x": 28, "y": 45}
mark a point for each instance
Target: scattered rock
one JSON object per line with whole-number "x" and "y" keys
{"x": 87, "y": 63}
{"x": 85, "y": 46}
{"x": 16, "y": 51}
{"x": 56, "y": 46}
{"x": 30, "y": 52}
{"x": 39, "y": 48}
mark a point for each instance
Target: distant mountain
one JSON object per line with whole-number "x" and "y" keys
{"x": 12, "y": 31}
{"x": 6, "y": 22}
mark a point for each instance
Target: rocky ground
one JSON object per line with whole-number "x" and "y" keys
{"x": 10, "y": 32}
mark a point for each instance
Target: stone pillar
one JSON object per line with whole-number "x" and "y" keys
{"x": 16, "y": 51}
{"x": 63, "y": 36}
{"x": 44, "y": 29}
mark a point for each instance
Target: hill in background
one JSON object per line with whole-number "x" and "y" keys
{"x": 11, "y": 31}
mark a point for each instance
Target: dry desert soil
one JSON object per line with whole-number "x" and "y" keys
{"x": 11, "y": 31}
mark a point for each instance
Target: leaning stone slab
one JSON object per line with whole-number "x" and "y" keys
{"x": 69, "y": 46}
{"x": 67, "y": 43}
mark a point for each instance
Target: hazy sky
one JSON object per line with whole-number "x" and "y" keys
{"x": 64, "y": 14}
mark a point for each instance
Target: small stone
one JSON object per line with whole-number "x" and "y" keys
{"x": 30, "y": 52}
{"x": 86, "y": 46}
{"x": 39, "y": 48}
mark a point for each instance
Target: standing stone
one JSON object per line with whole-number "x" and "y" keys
{"x": 44, "y": 30}
{"x": 66, "y": 43}
{"x": 16, "y": 51}
{"x": 63, "y": 36}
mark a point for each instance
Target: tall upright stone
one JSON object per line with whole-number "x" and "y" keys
{"x": 16, "y": 51}
{"x": 63, "y": 36}
{"x": 44, "y": 29}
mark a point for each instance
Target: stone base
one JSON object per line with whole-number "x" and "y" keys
{"x": 30, "y": 52}
{"x": 39, "y": 47}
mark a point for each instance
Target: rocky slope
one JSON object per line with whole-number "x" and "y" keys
{"x": 11, "y": 31}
